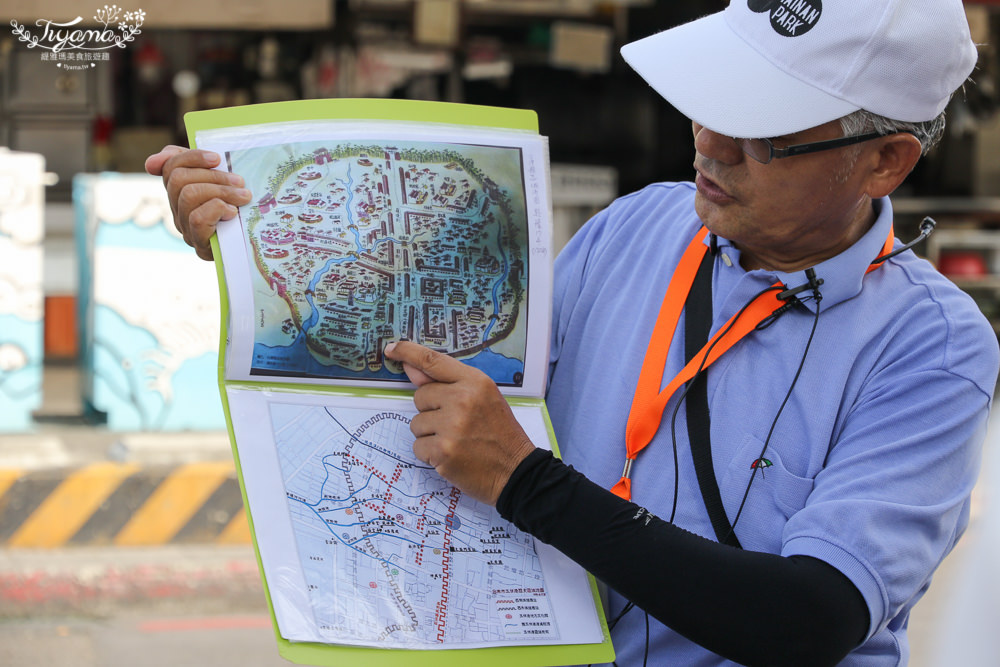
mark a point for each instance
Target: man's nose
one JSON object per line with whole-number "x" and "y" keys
{"x": 716, "y": 146}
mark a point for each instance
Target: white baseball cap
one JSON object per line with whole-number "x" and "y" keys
{"x": 764, "y": 68}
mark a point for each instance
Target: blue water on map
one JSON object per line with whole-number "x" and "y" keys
{"x": 502, "y": 369}
{"x": 313, "y": 319}
{"x": 499, "y": 283}
{"x": 295, "y": 359}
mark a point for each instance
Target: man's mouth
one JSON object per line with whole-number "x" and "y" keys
{"x": 711, "y": 190}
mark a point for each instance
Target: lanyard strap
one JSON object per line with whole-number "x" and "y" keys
{"x": 697, "y": 326}
{"x": 649, "y": 401}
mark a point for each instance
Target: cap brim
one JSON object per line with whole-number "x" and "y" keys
{"x": 716, "y": 79}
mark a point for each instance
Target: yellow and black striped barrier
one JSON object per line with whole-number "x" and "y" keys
{"x": 122, "y": 504}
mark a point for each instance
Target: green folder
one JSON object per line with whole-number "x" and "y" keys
{"x": 430, "y": 114}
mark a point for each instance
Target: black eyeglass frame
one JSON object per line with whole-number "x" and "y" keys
{"x": 775, "y": 153}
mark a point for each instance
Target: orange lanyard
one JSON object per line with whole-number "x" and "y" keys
{"x": 649, "y": 402}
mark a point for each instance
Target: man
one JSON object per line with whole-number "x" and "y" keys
{"x": 844, "y": 409}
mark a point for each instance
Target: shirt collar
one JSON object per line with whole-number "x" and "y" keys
{"x": 842, "y": 274}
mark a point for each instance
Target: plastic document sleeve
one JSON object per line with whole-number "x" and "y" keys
{"x": 373, "y": 221}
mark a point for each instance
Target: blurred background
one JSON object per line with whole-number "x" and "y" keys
{"x": 123, "y": 538}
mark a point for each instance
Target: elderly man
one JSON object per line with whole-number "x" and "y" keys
{"x": 774, "y": 419}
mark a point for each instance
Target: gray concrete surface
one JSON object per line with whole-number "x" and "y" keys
{"x": 140, "y": 640}
{"x": 101, "y": 581}
{"x": 132, "y": 607}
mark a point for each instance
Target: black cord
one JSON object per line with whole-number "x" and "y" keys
{"x": 690, "y": 383}
{"x": 746, "y": 493}
{"x": 673, "y": 440}
{"x": 626, "y": 609}
{"x": 645, "y": 653}
{"x": 927, "y": 226}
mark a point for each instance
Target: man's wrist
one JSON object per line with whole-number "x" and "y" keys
{"x": 508, "y": 491}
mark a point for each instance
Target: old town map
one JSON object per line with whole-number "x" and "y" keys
{"x": 357, "y": 243}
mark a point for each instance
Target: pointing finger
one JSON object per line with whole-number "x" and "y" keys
{"x": 427, "y": 364}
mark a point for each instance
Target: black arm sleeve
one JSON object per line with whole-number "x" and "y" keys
{"x": 723, "y": 598}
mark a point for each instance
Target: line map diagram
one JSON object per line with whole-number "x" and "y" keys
{"x": 392, "y": 554}
{"x": 357, "y": 243}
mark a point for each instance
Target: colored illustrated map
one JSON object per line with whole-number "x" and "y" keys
{"x": 355, "y": 245}
{"x": 392, "y": 554}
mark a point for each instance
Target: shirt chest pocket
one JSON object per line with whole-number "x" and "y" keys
{"x": 774, "y": 496}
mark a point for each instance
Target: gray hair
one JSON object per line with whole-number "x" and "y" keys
{"x": 928, "y": 132}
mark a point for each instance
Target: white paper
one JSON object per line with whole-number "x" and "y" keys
{"x": 371, "y": 547}
{"x": 360, "y": 234}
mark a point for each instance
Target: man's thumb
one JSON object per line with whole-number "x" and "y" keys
{"x": 415, "y": 374}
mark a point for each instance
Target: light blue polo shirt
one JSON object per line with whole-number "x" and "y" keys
{"x": 875, "y": 454}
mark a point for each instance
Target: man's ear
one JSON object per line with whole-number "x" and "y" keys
{"x": 895, "y": 158}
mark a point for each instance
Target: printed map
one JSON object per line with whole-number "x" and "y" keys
{"x": 357, "y": 244}
{"x": 392, "y": 554}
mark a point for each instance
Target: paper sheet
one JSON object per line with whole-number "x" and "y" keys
{"x": 372, "y": 547}
{"x": 364, "y": 233}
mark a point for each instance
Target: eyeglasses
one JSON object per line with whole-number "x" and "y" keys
{"x": 763, "y": 150}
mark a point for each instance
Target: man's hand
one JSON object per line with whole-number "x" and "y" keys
{"x": 199, "y": 195}
{"x": 465, "y": 428}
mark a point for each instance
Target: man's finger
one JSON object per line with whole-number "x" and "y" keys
{"x": 194, "y": 158}
{"x": 423, "y": 398}
{"x": 195, "y": 195}
{"x": 422, "y": 425}
{"x": 175, "y": 157}
{"x": 424, "y": 448}
{"x": 202, "y": 223}
{"x": 417, "y": 376}
{"x": 205, "y": 253}
{"x": 436, "y": 366}
{"x": 435, "y": 396}
{"x": 200, "y": 207}
{"x": 155, "y": 162}
{"x": 180, "y": 175}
